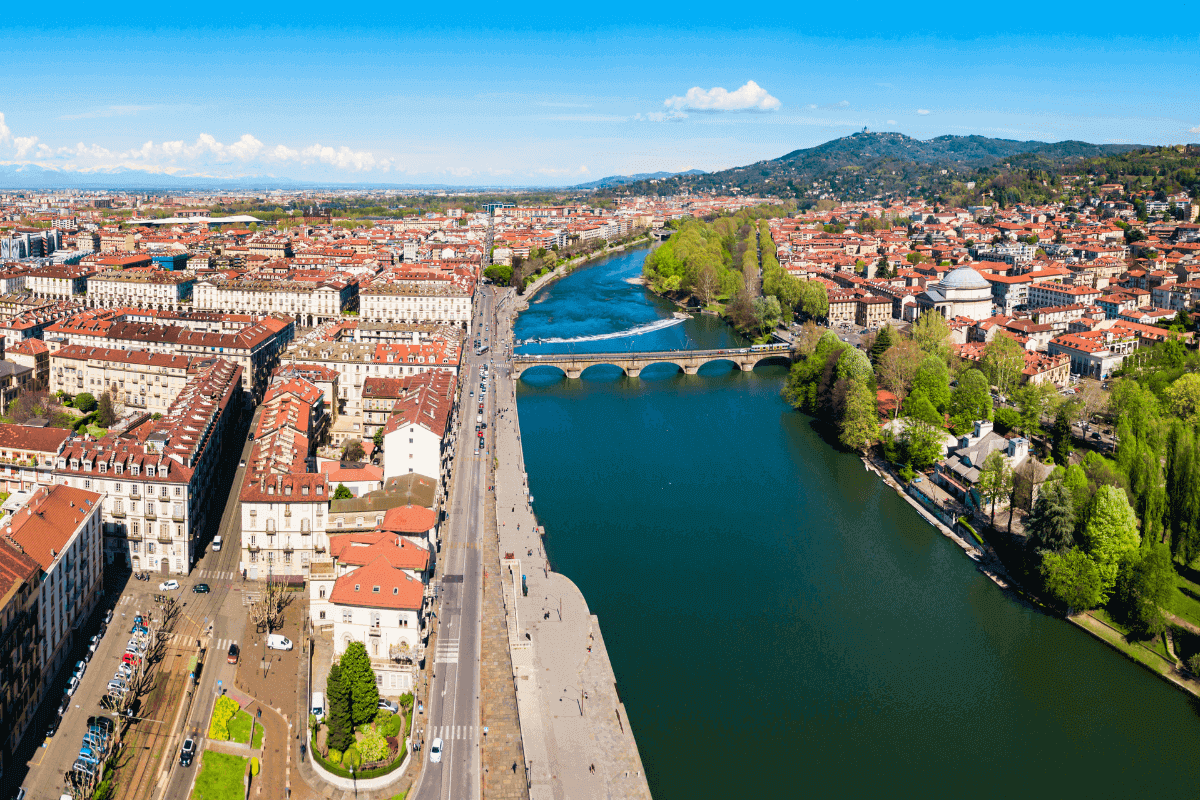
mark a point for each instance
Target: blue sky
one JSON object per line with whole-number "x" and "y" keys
{"x": 553, "y": 95}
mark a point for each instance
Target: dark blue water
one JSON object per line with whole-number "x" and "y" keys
{"x": 783, "y": 625}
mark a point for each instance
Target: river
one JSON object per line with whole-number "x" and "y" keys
{"x": 781, "y": 624}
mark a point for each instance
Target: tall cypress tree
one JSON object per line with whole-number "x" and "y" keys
{"x": 341, "y": 731}
{"x": 882, "y": 342}
{"x": 359, "y": 679}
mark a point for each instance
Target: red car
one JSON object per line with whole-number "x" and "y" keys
{"x": 130, "y": 659}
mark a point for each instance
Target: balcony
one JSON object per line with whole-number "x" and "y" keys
{"x": 165, "y": 538}
{"x": 117, "y": 513}
{"x": 288, "y": 547}
{"x": 179, "y": 517}
{"x": 253, "y": 548}
{"x": 151, "y": 514}
{"x": 134, "y": 537}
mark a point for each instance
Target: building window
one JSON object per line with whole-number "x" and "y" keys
{"x": 322, "y": 615}
{"x": 347, "y": 616}
{"x": 321, "y": 593}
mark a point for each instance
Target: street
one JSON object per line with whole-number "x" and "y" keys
{"x": 453, "y": 710}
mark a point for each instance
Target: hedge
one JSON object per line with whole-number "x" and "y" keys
{"x": 963, "y": 521}
{"x": 342, "y": 772}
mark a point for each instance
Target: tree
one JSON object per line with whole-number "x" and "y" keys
{"x": 814, "y": 299}
{"x": 767, "y": 313}
{"x": 922, "y": 443}
{"x": 860, "y": 420}
{"x": 85, "y": 402}
{"x": 933, "y": 381}
{"x": 707, "y": 284}
{"x": 377, "y": 439}
{"x": 342, "y": 493}
{"x": 971, "y": 400}
{"x": 1183, "y": 396}
{"x": 932, "y": 334}
{"x": 917, "y": 406}
{"x": 1111, "y": 534}
{"x": 1003, "y": 362}
{"x": 883, "y": 341}
{"x": 267, "y": 610}
{"x": 353, "y": 451}
{"x": 341, "y": 730}
{"x": 898, "y": 366}
{"x": 1052, "y": 523}
{"x": 1060, "y": 437}
{"x": 106, "y": 415}
{"x": 360, "y": 679}
{"x": 995, "y": 480}
{"x": 1073, "y": 578}
{"x": 499, "y": 274}
{"x": 1144, "y": 586}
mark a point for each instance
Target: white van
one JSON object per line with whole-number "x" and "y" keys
{"x": 216, "y": 545}
{"x": 276, "y": 641}
{"x": 318, "y": 705}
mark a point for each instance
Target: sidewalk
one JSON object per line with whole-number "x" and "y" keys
{"x": 577, "y": 737}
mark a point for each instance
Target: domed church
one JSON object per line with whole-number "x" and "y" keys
{"x": 962, "y": 293}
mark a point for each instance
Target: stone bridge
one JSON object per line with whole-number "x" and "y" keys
{"x": 632, "y": 364}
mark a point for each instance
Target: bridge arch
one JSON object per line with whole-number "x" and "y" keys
{"x": 783, "y": 359}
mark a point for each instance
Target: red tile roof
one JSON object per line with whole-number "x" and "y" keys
{"x": 396, "y": 588}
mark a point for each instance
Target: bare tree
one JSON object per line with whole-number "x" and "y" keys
{"x": 898, "y": 366}
{"x": 707, "y": 285}
{"x": 267, "y": 610}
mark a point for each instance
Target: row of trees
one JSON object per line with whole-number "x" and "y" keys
{"x": 352, "y": 695}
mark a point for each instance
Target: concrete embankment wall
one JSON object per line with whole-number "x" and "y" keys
{"x": 577, "y": 738}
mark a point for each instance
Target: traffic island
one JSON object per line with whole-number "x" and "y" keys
{"x": 221, "y": 777}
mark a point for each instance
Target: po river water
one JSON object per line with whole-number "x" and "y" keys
{"x": 782, "y": 624}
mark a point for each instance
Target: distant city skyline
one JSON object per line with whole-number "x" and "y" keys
{"x": 478, "y": 96}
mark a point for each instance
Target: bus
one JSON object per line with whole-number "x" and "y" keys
{"x": 483, "y": 348}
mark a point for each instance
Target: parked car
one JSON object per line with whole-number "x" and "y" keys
{"x": 435, "y": 751}
{"x": 277, "y": 641}
{"x": 389, "y": 705}
{"x": 242, "y": 462}
{"x": 132, "y": 659}
{"x": 233, "y": 653}
{"x": 117, "y": 683}
{"x": 72, "y": 685}
{"x": 168, "y": 586}
{"x": 124, "y": 671}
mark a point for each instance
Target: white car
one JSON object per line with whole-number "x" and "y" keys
{"x": 435, "y": 751}
{"x": 167, "y": 586}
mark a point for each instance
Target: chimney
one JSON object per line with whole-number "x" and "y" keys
{"x": 982, "y": 428}
{"x": 1018, "y": 449}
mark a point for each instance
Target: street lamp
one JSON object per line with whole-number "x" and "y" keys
{"x": 355, "y": 779}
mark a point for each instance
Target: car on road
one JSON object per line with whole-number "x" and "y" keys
{"x": 477, "y": 452}
{"x": 189, "y": 750}
{"x": 200, "y": 588}
{"x": 435, "y": 751}
{"x": 72, "y": 685}
{"x": 389, "y": 705}
{"x": 233, "y": 653}
{"x": 168, "y": 586}
{"x": 241, "y": 462}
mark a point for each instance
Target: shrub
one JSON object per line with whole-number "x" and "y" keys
{"x": 335, "y": 756}
{"x": 253, "y": 766}
{"x": 406, "y": 700}
{"x": 388, "y": 724}
{"x": 372, "y": 746}
{"x": 85, "y": 402}
{"x": 223, "y": 711}
{"x": 1193, "y": 664}
{"x": 351, "y": 759}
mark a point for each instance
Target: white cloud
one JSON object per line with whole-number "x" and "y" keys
{"x": 24, "y": 144}
{"x": 891, "y": 122}
{"x": 750, "y": 97}
{"x": 1190, "y": 130}
{"x": 460, "y": 172}
{"x": 843, "y": 104}
{"x": 560, "y": 172}
{"x": 5, "y": 133}
{"x": 660, "y": 116}
{"x": 109, "y": 111}
{"x": 923, "y": 111}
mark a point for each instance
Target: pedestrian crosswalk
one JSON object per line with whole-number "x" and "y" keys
{"x": 447, "y": 651}
{"x": 249, "y": 598}
{"x": 218, "y": 574}
{"x": 452, "y": 732}
{"x": 190, "y": 639}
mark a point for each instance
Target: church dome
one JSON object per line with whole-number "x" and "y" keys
{"x": 964, "y": 278}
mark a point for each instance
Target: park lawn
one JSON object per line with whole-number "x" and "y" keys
{"x": 258, "y": 734}
{"x": 97, "y": 431}
{"x": 239, "y": 727}
{"x": 220, "y": 778}
{"x": 1184, "y": 602}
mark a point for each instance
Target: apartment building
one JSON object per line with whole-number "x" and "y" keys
{"x": 1057, "y": 294}
{"x": 284, "y": 502}
{"x": 27, "y": 456}
{"x": 158, "y": 289}
{"x": 414, "y": 436}
{"x": 58, "y": 282}
{"x": 308, "y": 302}
{"x": 421, "y": 303}
{"x": 161, "y": 482}
{"x": 139, "y": 379}
{"x": 21, "y": 682}
{"x": 1094, "y": 354}
{"x": 61, "y": 528}
{"x": 256, "y": 348}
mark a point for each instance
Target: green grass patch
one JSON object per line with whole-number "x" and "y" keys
{"x": 1185, "y": 600}
{"x": 1107, "y": 619}
{"x": 96, "y": 430}
{"x": 239, "y": 727}
{"x": 220, "y": 778}
{"x": 258, "y": 734}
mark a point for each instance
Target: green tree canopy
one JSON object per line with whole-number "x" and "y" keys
{"x": 933, "y": 381}
{"x": 337, "y": 693}
{"x": 1003, "y": 362}
{"x": 1111, "y": 534}
{"x": 1060, "y": 437}
{"x": 1073, "y": 578}
{"x": 360, "y": 679}
{"x": 883, "y": 340}
{"x": 1144, "y": 586}
{"x": 995, "y": 480}
{"x": 342, "y": 493}
{"x": 1052, "y": 523}
{"x": 971, "y": 400}
{"x": 85, "y": 402}
{"x": 860, "y": 420}
{"x": 106, "y": 413}
{"x": 922, "y": 443}
{"x": 932, "y": 334}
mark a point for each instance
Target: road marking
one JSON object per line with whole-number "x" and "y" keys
{"x": 447, "y": 651}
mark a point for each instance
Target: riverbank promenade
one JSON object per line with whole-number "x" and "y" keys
{"x": 577, "y": 736}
